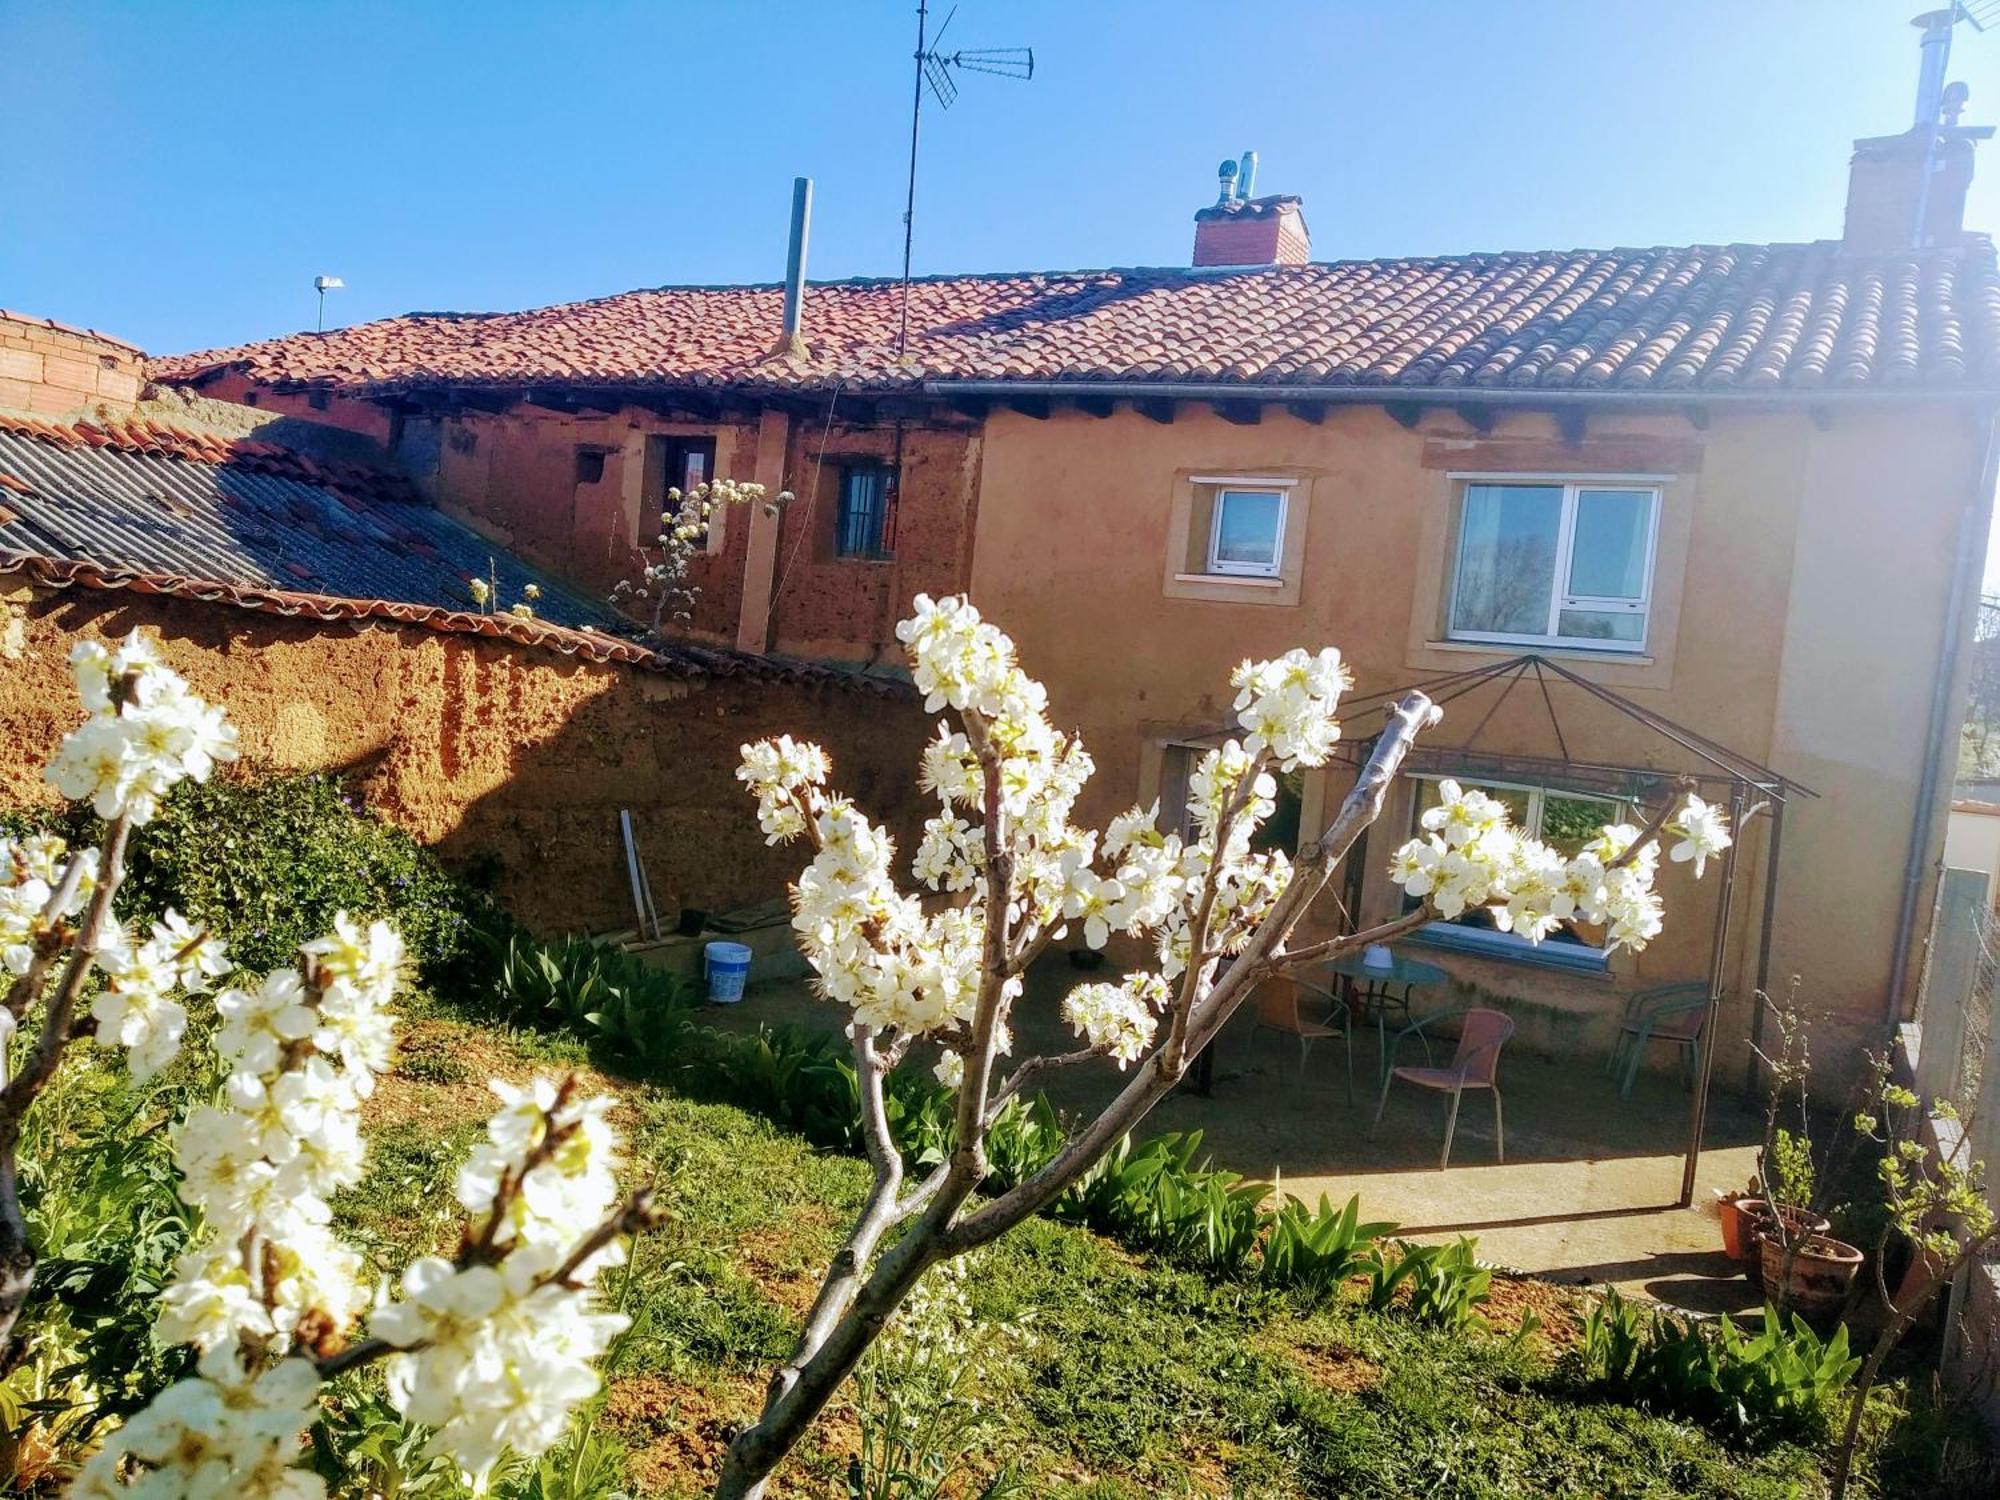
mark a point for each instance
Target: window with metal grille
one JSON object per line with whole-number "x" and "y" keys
{"x": 862, "y": 522}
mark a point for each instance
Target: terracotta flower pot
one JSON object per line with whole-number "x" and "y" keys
{"x": 1757, "y": 1224}
{"x": 1822, "y": 1274}
{"x": 1736, "y": 1241}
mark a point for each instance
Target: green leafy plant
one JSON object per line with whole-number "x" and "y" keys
{"x": 1788, "y": 1169}
{"x": 590, "y": 986}
{"x": 108, "y": 1226}
{"x": 1445, "y": 1283}
{"x": 1023, "y": 1139}
{"x": 1778, "y": 1382}
{"x": 1316, "y": 1252}
{"x": 1446, "y": 1289}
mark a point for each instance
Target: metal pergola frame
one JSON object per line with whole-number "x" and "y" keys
{"x": 1751, "y": 789}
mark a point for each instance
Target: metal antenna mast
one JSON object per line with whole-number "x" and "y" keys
{"x": 935, "y": 67}
{"x": 1937, "y": 102}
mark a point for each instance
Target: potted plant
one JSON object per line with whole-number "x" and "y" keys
{"x": 1794, "y": 1256}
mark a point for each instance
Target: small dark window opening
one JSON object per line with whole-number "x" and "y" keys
{"x": 864, "y": 519}
{"x": 318, "y": 400}
{"x": 683, "y": 464}
{"x": 589, "y": 465}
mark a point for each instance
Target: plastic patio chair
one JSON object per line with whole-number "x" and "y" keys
{"x": 1475, "y": 1065}
{"x": 1280, "y": 1009}
{"x": 1671, "y": 1013}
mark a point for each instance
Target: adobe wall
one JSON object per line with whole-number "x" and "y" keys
{"x": 513, "y": 475}
{"x": 483, "y": 749}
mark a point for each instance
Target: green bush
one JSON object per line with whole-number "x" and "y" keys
{"x": 267, "y": 862}
{"x": 1775, "y": 1384}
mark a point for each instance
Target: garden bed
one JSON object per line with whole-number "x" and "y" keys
{"x": 1145, "y": 1379}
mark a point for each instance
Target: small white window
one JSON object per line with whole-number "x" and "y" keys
{"x": 1555, "y": 562}
{"x": 1247, "y": 532}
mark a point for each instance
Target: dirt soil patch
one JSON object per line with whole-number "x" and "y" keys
{"x": 676, "y": 1433}
{"x": 1511, "y": 1298}
{"x": 413, "y": 1093}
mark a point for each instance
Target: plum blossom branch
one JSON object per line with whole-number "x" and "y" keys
{"x": 1008, "y": 872}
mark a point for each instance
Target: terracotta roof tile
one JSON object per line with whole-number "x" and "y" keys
{"x": 1703, "y": 317}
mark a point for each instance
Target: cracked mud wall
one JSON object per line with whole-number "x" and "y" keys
{"x": 484, "y": 750}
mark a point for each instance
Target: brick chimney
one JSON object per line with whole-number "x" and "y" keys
{"x": 1907, "y": 192}
{"x": 1889, "y": 206}
{"x": 1240, "y": 230}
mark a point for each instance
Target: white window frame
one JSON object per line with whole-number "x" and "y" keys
{"x": 1650, "y": 485}
{"x": 1224, "y": 485}
{"x": 1594, "y": 956}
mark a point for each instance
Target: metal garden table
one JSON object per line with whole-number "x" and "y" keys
{"x": 1375, "y": 994}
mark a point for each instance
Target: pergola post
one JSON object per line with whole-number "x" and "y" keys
{"x": 1717, "y": 960}
{"x": 1751, "y": 1077}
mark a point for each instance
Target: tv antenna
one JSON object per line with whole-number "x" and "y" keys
{"x": 938, "y": 69}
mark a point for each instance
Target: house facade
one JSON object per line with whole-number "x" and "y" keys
{"x": 1742, "y": 490}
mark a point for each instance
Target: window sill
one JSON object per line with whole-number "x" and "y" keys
{"x": 1574, "y": 653}
{"x": 1231, "y": 580}
{"x": 856, "y": 557}
{"x": 1570, "y": 958}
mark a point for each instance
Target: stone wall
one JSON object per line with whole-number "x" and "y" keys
{"x": 485, "y": 750}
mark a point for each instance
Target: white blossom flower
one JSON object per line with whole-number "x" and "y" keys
{"x": 1703, "y": 831}
{"x": 220, "y": 1433}
{"x": 1117, "y": 1017}
{"x": 1287, "y": 705}
{"x": 147, "y": 731}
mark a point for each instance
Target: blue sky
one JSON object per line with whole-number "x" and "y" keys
{"x": 177, "y": 173}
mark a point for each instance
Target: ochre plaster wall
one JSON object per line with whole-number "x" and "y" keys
{"x": 1799, "y": 599}
{"x": 487, "y": 750}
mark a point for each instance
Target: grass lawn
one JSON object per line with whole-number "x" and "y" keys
{"x": 1142, "y": 1380}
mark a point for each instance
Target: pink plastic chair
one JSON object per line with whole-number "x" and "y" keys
{"x": 1475, "y": 1065}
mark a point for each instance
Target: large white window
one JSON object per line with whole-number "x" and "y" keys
{"x": 1246, "y": 534}
{"x": 1551, "y": 562}
{"x": 1565, "y": 821}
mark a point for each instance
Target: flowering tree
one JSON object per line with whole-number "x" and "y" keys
{"x": 491, "y": 1349}
{"x": 661, "y": 591}
{"x": 1009, "y": 873}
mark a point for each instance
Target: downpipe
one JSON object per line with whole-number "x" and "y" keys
{"x": 1958, "y": 623}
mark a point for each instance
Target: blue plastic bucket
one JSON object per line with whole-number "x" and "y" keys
{"x": 727, "y": 966}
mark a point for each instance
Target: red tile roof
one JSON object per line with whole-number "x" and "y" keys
{"x": 1706, "y": 318}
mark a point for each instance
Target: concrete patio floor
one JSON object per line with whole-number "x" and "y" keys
{"x": 1587, "y": 1194}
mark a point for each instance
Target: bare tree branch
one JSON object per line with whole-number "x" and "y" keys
{"x": 1293, "y": 959}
